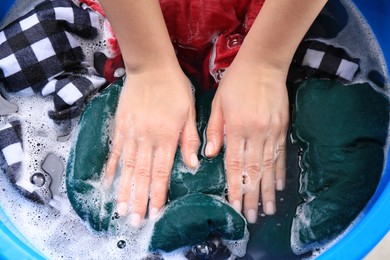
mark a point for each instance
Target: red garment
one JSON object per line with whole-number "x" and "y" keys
{"x": 207, "y": 34}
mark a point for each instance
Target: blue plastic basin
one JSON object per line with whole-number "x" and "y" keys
{"x": 361, "y": 238}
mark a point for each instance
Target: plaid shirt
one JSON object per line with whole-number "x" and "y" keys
{"x": 40, "y": 53}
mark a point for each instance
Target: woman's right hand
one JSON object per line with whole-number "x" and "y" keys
{"x": 155, "y": 111}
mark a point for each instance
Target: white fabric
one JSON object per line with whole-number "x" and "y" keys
{"x": 313, "y": 58}
{"x": 43, "y": 49}
{"x": 10, "y": 65}
{"x": 13, "y": 153}
{"x": 70, "y": 94}
{"x": 347, "y": 69}
{"x": 29, "y": 22}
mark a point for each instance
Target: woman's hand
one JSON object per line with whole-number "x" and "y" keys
{"x": 252, "y": 104}
{"x": 155, "y": 110}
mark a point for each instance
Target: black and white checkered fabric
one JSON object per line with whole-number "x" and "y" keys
{"x": 317, "y": 59}
{"x": 41, "y": 48}
{"x": 11, "y": 148}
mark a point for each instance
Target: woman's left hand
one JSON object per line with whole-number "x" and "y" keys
{"x": 251, "y": 107}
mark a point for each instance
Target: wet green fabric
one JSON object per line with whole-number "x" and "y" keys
{"x": 87, "y": 157}
{"x": 190, "y": 219}
{"x": 342, "y": 132}
{"x": 210, "y": 175}
{"x": 193, "y": 210}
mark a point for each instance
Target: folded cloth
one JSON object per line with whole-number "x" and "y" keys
{"x": 342, "y": 131}
{"x": 43, "y": 46}
{"x": 314, "y": 58}
{"x": 209, "y": 213}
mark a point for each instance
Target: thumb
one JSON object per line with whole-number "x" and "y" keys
{"x": 189, "y": 143}
{"x": 215, "y": 128}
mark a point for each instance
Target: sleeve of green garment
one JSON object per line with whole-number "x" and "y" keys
{"x": 88, "y": 155}
{"x": 342, "y": 131}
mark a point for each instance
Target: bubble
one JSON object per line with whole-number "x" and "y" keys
{"x": 121, "y": 244}
{"x": 38, "y": 179}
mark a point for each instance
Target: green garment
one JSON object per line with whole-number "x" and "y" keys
{"x": 87, "y": 158}
{"x": 342, "y": 132}
{"x": 210, "y": 175}
{"x": 193, "y": 211}
{"x": 190, "y": 219}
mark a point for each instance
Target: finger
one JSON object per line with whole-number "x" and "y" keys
{"x": 253, "y": 171}
{"x": 251, "y": 203}
{"x": 234, "y": 168}
{"x": 126, "y": 181}
{"x": 268, "y": 179}
{"x": 253, "y": 162}
{"x": 142, "y": 179}
{"x": 113, "y": 160}
{"x": 280, "y": 165}
{"x": 215, "y": 128}
{"x": 162, "y": 167}
{"x": 189, "y": 143}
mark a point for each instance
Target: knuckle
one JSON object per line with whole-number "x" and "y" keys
{"x": 143, "y": 173}
{"x": 213, "y": 130}
{"x": 161, "y": 172}
{"x": 276, "y": 124}
{"x": 235, "y": 165}
{"x": 237, "y": 124}
{"x": 259, "y": 122}
{"x": 282, "y": 145}
{"x": 128, "y": 163}
{"x": 115, "y": 151}
{"x": 253, "y": 169}
{"x": 268, "y": 162}
{"x": 166, "y": 138}
{"x": 192, "y": 140}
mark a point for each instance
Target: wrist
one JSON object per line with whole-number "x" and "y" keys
{"x": 267, "y": 61}
{"x": 149, "y": 63}
{"x": 264, "y": 69}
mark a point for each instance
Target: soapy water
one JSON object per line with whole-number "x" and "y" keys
{"x": 356, "y": 38}
{"x": 58, "y": 232}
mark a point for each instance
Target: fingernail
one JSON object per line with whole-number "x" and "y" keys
{"x": 194, "y": 160}
{"x": 135, "y": 220}
{"x": 122, "y": 208}
{"x": 279, "y": 184}
{"x": 209, "y": 149}
{"x": 237, "y": 205}
{"x": 269, "y": 208}
{"x": 153, "y": 213}
{"x": 251, "y": 216}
